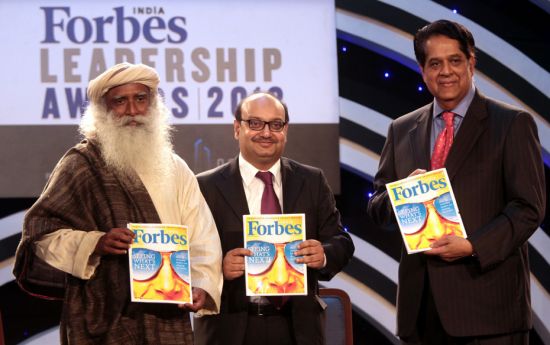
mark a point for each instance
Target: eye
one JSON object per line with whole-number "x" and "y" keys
{"x": 456, "y": 61}
{"x": 119, "y": 101}
{"x": 141, "y": 98}
{"x": 255, "y": 123}
{"x": 276, "y": 125}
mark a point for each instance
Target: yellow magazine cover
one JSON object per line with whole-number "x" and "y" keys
{"x": 159, "y": 264}
{"x": 425, "y": 208}
{"x": 273, "y": 239}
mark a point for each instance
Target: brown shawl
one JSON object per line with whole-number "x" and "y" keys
{"x": 82, "y": 193}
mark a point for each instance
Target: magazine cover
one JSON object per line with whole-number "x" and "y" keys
{"x": 272, "y": 270}
{"x": 159, "y": 264}
{"x": 425, "y": 208}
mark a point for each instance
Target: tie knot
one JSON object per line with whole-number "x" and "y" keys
{"x": 265, "y": 176}
{"x": 448, "y": 117}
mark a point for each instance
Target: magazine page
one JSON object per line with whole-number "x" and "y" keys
{"x": 425, "y": 208}
{"x": 273, "y": 239}
{"x": 159, "y": 264}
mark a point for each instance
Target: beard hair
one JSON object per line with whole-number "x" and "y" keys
{"x": 144, "y": 149}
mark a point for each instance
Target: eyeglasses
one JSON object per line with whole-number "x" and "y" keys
{"x": 413, "y": 216}
{"x": 265, "y": 254}
{"x": 146, "y": 263}
{"x": 259, "y": 125}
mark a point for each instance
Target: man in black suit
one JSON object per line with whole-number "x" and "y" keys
{"x": 231, "y": 191}
{"x": 474, "y": 290}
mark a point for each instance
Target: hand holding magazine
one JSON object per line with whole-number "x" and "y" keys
{"x": 425, "y": 208}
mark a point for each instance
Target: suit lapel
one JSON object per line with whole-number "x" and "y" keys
{"x": 420, "y": 139}
{"x": 231, "y": 188}
{"x": 473, "y": 125}
{"x": 292, "y": 186}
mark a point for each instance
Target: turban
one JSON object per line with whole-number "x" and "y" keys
{"x": 120, "y": 74}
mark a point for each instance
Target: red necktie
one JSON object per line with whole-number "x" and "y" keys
{"x": 443, "y": 142}
{"x": 270, "y": 205}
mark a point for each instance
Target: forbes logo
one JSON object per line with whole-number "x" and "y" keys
{"x": 255, "y": 228}
{"x": 420, "y": 188}
{"x": 78, "y": 29}
{"x": 159, "y": 237}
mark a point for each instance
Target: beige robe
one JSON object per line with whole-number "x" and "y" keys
{"x": 83, "y": 194}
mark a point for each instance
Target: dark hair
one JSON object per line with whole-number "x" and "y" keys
{"x": 447, "y": 28}
{"x": 238, "y": 110}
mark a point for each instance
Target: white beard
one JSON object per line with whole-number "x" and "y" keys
{"x": 145, "y": 149}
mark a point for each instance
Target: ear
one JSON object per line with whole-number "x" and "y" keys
{"x": 472, "y": 62}
{"x": 285, "y": 131}
{"x": 236, "y": 129}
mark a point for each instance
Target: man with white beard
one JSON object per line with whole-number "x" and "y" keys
{"x": 75, "y": 241}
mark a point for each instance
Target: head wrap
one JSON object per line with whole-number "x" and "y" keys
{"x": 120, "y": 74}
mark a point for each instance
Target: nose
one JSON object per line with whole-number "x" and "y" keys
{"x": 266, "y": 132}
{"x": 131, "y": 108}
{"x": 166, "y": 283}
{"x": 445, "y": 68}
{"x": 434, "y": 225}
{"x": 279, "y": 271}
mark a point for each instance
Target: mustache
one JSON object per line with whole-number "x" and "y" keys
{"x": 125, "y": 120}
{"x": 260, "y": 139}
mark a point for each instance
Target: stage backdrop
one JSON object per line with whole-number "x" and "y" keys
{"x": 209, "y": 55}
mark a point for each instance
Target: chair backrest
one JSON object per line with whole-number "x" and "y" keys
{"x": 338, "y": 320}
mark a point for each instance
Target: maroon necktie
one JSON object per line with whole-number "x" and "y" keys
{"x": 270, "y": 205}
{"x": 443, "y": 142}
{"x": 270, "y": 202}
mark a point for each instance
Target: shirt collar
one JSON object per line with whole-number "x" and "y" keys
{"x": 248, "y": 171}
{"x": 462, "y": 106}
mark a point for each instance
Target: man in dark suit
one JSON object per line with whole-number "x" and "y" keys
{"x": 231, "y": 191}
{"x": 474, "y": 290}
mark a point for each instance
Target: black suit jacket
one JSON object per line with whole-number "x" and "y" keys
{"x": 305, "y": 190}
{"x": 497, "y": 174}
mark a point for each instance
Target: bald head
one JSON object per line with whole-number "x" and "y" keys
{"x": 260, "y": 97}
{"x": 121, "y": 74}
